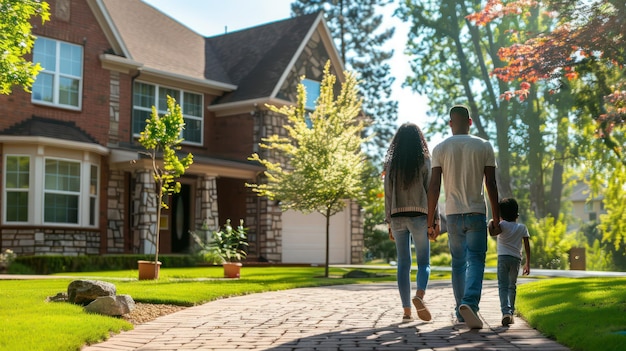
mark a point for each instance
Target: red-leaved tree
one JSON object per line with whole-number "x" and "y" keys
{"x": 588, "y": 39}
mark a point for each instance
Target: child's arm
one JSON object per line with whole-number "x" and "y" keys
{"x": 526, "y": 270}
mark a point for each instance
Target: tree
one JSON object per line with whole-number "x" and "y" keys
{"x": 582, "y": 54}
{"x": 16, "y": 41}
{"x": 589, "y": 35}
{"x": 324, "y": 161}
{"x": 453, "y": 60}
{"x": 162, "y": 137}
{"x": 355, "y": 27}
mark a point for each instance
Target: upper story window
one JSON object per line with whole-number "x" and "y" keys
{"x": 68, "y": 194}
{"x": 60, "y": 83}
{"x": 312, "y": 88}
{"x": 147, "y": 95}
{"x": 312, "y": 93}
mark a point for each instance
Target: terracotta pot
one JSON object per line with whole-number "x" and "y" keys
{"x": 147, "y": 270}
{"x": 232, "y": 269}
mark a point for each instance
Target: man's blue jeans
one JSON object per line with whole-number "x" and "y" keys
{"x": 508, "y": 270}
{"x": 467, "y": 239}
{"x": 403, "y": 229}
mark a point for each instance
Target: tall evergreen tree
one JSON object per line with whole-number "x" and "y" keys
{"x": 356, "y": 28}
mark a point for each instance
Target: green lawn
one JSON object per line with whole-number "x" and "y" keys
{"x": 584, "y": 314}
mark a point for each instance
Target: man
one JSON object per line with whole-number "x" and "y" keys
{"x": 464, "y": 161}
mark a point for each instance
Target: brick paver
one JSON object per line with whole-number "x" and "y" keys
{"x": 347, "y": 317}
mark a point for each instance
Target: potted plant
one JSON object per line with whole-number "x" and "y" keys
{"x": 162, "y": 137}
{"x": 226, "y": 247}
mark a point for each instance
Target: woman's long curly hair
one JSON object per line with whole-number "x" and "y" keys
{"x": 406, "y": 154}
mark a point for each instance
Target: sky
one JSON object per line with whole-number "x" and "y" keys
{"x": 214, "y": 17}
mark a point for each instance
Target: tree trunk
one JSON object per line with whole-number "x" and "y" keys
{"x": 327, "y": 215}
{"x": 562, "y": 143}
{"x": 536, "y": 149}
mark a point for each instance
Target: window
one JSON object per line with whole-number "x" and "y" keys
{"x": 68, "y": 194}
{"x": 93, "y": 194}
{"x": 61, "y": 191}
{"x": 147, "y": 95}
{"x": 17, "y": 183}
{"x": 60, "y": 82}
{"x": 312, "y": 93}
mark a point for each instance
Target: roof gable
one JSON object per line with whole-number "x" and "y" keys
{"x": 257, "y": 58}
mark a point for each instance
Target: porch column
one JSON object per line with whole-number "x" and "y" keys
{"x": 144, "y": 211}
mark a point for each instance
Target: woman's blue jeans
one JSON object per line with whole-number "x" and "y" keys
{"x": 508, "y": 270}
{"x": 404, "y": 229}
{"x": 467, "y": 239}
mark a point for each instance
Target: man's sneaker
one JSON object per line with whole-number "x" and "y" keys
{"x": 507, "y": 319}
{"x": 471, "y": 319}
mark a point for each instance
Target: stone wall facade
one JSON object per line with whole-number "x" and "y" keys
{"x": 206, "y": 215}
{"x": 116, "y": 212}
{"x": 144, "y": 219}
{"x": 62, "y": 241}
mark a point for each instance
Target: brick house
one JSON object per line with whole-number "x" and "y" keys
{"x": 73, "y": 179}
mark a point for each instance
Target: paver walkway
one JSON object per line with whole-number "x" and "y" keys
{"x": 347, "y": 317}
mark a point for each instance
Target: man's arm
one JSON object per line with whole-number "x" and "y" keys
{"x": 492, "y": 191}
{"x": 433, "y": 198}
{"x": 526, "y": 270}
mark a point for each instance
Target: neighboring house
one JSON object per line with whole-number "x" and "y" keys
{"x": 74, "y": 181}
{"x": 585, "y": 208}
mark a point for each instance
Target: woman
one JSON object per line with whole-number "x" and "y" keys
{"x": 407, "y": 174}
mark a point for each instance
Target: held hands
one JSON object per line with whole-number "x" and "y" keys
{"x": 494, "y": 227}
{"x": 433, "y": 232}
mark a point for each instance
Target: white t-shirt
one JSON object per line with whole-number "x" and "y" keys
{"x": 463, "y": 159}
{"x": 510, "y": 240}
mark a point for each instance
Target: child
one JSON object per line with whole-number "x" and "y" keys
{"x": 510, "y": 256}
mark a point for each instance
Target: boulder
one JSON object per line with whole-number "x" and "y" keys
{"x": 82, "y": 292}
{"x": 111, "y": 305}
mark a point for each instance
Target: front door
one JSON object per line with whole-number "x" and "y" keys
{"x": 180, "y": 214}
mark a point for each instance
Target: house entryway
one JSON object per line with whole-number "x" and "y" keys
{"x": 180, "y": 219}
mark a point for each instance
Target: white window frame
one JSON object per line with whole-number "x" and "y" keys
{"x": 57, "y": 76}
{"x": 180, "y": 100}
{"x": 37, "y": 191}
{"x": 65, "y": 192}
{"x": 8, "y": 190}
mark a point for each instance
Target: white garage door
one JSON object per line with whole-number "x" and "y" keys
{"x": 304, "y": 238}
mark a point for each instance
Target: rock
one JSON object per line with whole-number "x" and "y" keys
{"x": 59, "y": 297}
{"x": 82, "y": 292}
{"x": 111, "y": 305}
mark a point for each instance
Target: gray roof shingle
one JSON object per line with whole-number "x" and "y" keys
{"x": 254, "y": 59}
{"x": 51, "y": 128}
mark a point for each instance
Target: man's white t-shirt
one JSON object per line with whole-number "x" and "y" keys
{"x": 463, "y": 159}
{"x": 510, "y": 240}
